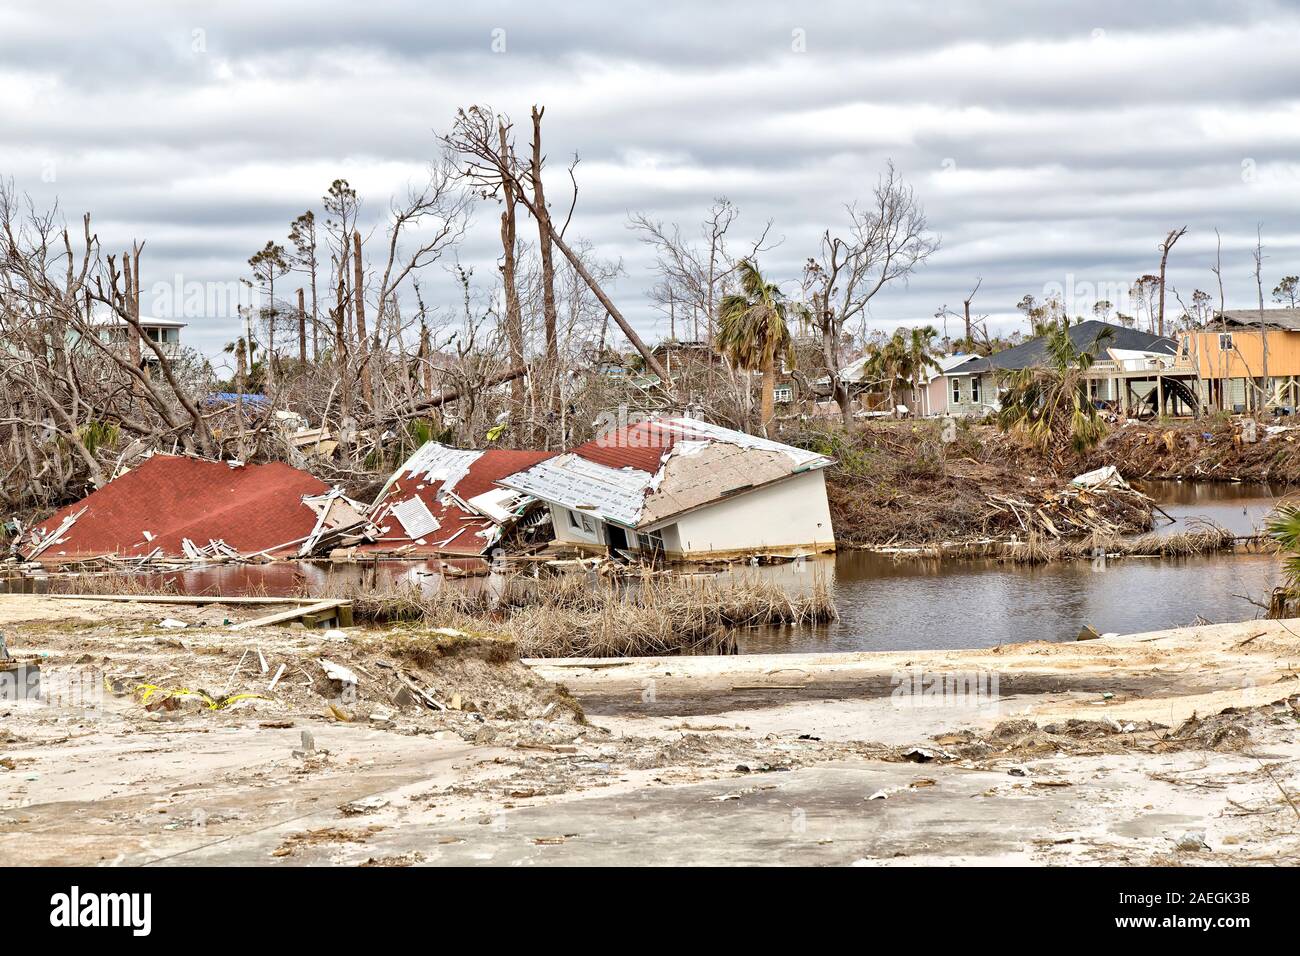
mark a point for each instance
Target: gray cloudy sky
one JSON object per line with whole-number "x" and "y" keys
{"x": 1049, "y": 142}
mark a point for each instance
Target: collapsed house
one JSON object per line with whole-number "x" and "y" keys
{"x": 446, "y": 501}
{"x": 185, "y": 508}
{"x": 680, "y": 488}
{"x": 685, "y": 489}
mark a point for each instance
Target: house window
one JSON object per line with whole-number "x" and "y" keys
{"x": 956, "y": 391}
{"x": 1225, "y": 341}
{"x": 783, "y": 393}
{"x": 975, "y": 388}
{"x": 580, "y": 522}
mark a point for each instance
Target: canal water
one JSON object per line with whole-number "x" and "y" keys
{"x": 908, "y": 603}
{"x": 905, "y": 603}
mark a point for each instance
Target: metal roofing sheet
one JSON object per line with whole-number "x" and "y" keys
{"x": 590, "y": 478}
{"x": 444, "y": 479}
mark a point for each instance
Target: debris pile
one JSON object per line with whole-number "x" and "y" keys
{"x": 1097, "y": 503}
{"x": 1211, "y": 449}
{"x": 446, "y": 501}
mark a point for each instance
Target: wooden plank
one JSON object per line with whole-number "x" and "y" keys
{"x": 174, "y": 598}
{"x": 289, "y": 615}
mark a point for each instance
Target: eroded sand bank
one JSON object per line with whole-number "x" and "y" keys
{"x": 1111, "y": 751}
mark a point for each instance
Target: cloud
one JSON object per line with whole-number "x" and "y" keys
{"x": 1046, "y": 141}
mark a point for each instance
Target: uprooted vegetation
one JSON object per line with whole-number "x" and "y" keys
{"x": 591, "y": 615}
{"x": 910, "y": 483}
{"x": 1216, "y": 448}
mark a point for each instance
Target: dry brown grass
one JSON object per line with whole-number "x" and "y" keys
{"x": 595, "y": 616}
{"x": 107, "y": 583}
{"x": 1206, "y": 539}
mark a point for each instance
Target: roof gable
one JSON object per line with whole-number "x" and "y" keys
{"x": 1084, "y": 336}
{"x": 641, "y": 474}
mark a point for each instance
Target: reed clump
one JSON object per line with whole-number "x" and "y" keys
{"x": 592, "y": 615}
{"x": 1204, "y": 539}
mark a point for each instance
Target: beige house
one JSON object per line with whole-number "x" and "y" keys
{"x": 686, "y": 490}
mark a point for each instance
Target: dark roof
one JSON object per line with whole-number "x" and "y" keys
{"x": 1084, "y": 336}
{"x": 1288, "y": 319}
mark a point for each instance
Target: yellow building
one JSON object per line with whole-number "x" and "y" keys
{"x": 1230, "y": 356}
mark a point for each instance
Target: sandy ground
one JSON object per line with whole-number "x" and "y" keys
{"x": 165, "y": 745}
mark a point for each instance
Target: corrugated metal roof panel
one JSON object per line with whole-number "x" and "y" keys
{"x": 614, "y": 476}
{"x": 616, "y": 494}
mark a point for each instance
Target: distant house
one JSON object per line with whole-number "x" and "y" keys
{"x": 935, "y": 394}
{"x": 1130, "y": 368}
{"x": 685, "y": 489}
{"x": 1228, "y": 358}
{"x": 949, "y": 390}
{"x": 677, "y": 356}
{"x": 113, "y": 330}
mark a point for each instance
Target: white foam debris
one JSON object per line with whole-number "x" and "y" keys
{"x": 437, "y": 462}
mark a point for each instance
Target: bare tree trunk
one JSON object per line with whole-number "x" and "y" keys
{"x": 132, "y": 331}
{"x": 426, "y": 360}
{"x": 302, "y": 328}
{"x": 548, "y": 266}
{"x": 580, "y": 267}
{"x": 315, "y": 314}
{"x": 514, "y": 317}
{"x": 769, "y": 386}
{"x": 970, "y": 341}
{"x": 359, "y": 304}
{"x": 341, "y": 339}
{"x": 1173, "y": 237}
{"x": 1263, "y": 333}
{"x": 831, "y": 355}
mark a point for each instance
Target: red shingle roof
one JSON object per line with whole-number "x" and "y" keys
{"x": 641, "y": 446}
{"x": 251, "y": 508}
{"x": 458, "y": 529}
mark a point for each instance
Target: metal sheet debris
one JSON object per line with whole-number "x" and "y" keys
{"x": 694, "y": 463}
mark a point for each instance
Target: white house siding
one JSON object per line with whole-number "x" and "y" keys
{"x": 565, "y": 533}
{"x": 789, "y": 516}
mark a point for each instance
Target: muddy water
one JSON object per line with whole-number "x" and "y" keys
{"x": 886, "y": 604}
{"x": 1241, "y": 508}
{"x": 901, "y": 604}
{"x": 911, "y": 604}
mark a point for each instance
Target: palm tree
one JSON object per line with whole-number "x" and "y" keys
{"x": 1284, "y": 528}
{"x": 1049, "y": 404}
{"x": 899, "y": 363}
{"x": 752, "y": 329}
{"x": 241, "y": 350}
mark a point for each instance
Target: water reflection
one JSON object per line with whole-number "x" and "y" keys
{"x": 889, "y": 603}
{"x": 1241, "y": 507}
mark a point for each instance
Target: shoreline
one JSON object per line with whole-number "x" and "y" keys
{"x": 1086, "y": 752}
